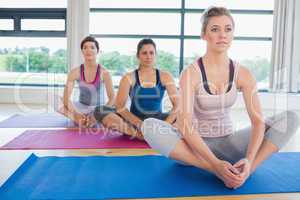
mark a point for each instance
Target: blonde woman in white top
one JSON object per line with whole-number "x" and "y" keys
{"x": 203, "y": 136}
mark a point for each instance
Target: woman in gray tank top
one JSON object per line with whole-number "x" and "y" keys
{"x": 94, "y": 83}
{"x": 203, "y": 136}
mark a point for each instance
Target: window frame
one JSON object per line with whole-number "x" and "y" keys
{"x": 182, "y": 11}
{"x": 17, "y": 14}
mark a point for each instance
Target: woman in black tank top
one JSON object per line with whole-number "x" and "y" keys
{"x": 146, "y": 87}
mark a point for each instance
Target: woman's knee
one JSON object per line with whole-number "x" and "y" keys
{"x": 156, "y": 129}
{"x": 289, "y": 123}
{"x": 160, "y": 135}
{"x": 149, "y": 126}
{"x": 285, "y": 121}
{"x": 110, "y": 120}
{"x": 292, "y": 119}
{"x": 283, "y": 129}
{"x": 101, "y": 113}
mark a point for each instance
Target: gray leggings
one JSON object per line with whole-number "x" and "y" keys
{"x": 163, "y": 137}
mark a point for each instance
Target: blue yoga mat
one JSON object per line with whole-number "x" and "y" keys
{"x": 100, "y": 177}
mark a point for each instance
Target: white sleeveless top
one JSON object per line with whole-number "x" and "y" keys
{"x": 211, "y": 113}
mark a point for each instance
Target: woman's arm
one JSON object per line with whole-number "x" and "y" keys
{"x": 121, "y": 100}
{"x": 109, "y": 87}
{"x": 247, "y": 83}
{"x": 69, "y": 109}
{"x": 69, "y": 89}
{"x": 188, "y": 83}
{"x": 168, "y": 82}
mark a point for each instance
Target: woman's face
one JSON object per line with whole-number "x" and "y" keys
{"x": 219, "y": 33}
{"x": 89, "y": 51}
{"x": 147, "y": 55}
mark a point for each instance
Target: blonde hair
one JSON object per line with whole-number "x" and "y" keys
{"x": 214, "y": 11}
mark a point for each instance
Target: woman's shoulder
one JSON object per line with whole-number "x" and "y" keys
{"x": 190, "y": 75}
{"x": 191, "y": 70}
{"x": 243, "y": 71}
{"x": 104, "y": 74}
{"x": 74, "y": 73}
{"x": 245, "y": 76}
{"x": 165, "y": 74}
{"x": 129, "y": 77}
{"x": 165, "y": 77}
{"x": 75, "y": 70}
{"x": 129, "y": 74}
{"x": 104, "y": 71}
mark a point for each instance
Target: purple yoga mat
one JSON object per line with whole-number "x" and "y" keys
{"x": 73, "y": 139}
{"x": 45, "y": 120}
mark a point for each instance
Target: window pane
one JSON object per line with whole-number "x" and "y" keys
{"x": 33, "y": 60}
{"x": 6, "y": 24}
{"x": 134, "y": 23}
{"x": 43, "y": 24}
{"x": 255, "y": 55}
{"x": 135, "y": 4}
{"x": 232, "y": 4}
{"x": 33, "y": 4}
{"x": 243, "y": 25}
{"x": 119, "y": 56}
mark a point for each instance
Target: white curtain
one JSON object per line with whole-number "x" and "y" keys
{"x": 285, "y": 62}
{"x": 77, "y": 29}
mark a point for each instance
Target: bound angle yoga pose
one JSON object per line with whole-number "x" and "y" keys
{"x": 145, "y": 86}
{"x": 203, "y": 135}
{"x": 93, "y": 81}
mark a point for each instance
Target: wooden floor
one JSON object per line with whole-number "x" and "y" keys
{"x": 10, "y": 160}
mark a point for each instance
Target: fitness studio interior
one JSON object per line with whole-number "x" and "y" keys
{"x": 149, "y": 99}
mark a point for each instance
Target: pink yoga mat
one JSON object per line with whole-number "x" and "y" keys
{"x": 73, "y": 139}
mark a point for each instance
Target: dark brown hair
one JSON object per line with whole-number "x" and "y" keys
{"x": 144, "y": 42}
{"x": 89, "y": 39}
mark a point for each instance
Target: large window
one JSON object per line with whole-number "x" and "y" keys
{"x": 175, "y": 26}
{"x": 33, "y": 36}
{"x": 33, "y": 42}
{"x": 137, "y": 23}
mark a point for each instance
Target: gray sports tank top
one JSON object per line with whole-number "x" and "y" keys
{"x": 91, "y": 93}
{"x": 211, "y": 115}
